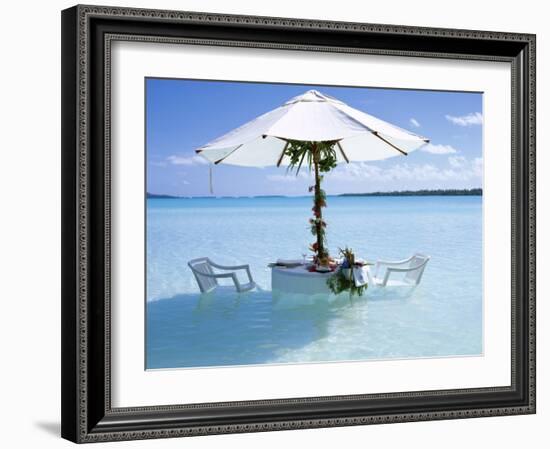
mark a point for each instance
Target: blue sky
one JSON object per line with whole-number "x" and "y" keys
{"x": 182, "y": 115}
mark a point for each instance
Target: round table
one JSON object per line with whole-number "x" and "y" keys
{"x": 299, "y": 280}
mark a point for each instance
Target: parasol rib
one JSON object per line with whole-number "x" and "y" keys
{"x": 342, "y": 151}
{"x": 283, "y": 153}
{"x": 228, "y": 154}
{"x": 375, "y": 133}
{"x": 301, "y": 161}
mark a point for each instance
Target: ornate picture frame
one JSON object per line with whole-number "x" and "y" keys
{"x": 87, "y": 35}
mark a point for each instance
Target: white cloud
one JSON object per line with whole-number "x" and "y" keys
{"x": 459, "y": 169}
{"x": 290, "y": 177}
{"x": 473, "y": 118}
{"x": 186, "y": 160}
{"x": 457, "y": 161}
{"x": 414, "y": 122}
{"x": 438, "y": 149}
{"x": 477, "y": 166}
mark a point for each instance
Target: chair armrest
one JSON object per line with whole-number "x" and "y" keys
{"x": 400, "y": 270}
{"x": 229, "y": 267}
{"x": 389, "y": 263}
{"x": 409, "y": 268}
{"x": 234, "y": 267}
{"x": 218, "y": 275}
{"x": 231, "y": 275}
{"x": 388, "y": 273}
{"x": 380, "y": 266}
{"x": 391, "y": 270}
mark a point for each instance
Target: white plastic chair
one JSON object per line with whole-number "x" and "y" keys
{"x": 403, "y": 273}
{"x": 207, "y": 278}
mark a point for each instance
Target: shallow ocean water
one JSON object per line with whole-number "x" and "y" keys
{"x": 442, "y": 317}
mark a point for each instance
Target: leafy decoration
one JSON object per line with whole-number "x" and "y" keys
{"x": 339, "y": 283}
{"x": 300, "y": 150}
{"x": 343, "y": 279}
{"x": 321, "y": 157}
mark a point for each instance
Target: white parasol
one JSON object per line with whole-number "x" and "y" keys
{"x": 313, "y": 117}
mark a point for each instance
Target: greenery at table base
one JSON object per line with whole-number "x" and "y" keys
{"x": 339, "y": 282}
{"x": 321, "y": 156}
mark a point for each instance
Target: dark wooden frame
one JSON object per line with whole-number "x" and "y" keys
{"x": 87, "y": 32}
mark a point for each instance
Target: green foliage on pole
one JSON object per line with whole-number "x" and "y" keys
{"x": 321, "y": 157}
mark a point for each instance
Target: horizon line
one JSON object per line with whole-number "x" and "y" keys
{"x": 473, "y": 191}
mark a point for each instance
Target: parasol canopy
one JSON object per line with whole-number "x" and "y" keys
{"x": 313, "y": 117}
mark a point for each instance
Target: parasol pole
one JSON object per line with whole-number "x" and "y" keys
{"x": 317, "y": 203}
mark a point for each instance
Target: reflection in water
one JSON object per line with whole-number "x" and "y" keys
{"x": 227, "y": 328}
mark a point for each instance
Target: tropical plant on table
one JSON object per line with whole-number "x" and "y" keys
{"x": 321, "y": 157}
{"x": 349, "y": 257}
{"x": 343, "y": 279}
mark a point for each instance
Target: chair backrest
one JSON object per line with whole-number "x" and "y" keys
{"x": 417, "y": 265}
{"x": 200, "y": 267}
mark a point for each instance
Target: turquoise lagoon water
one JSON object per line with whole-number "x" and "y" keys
{"x": 442, "y": 317}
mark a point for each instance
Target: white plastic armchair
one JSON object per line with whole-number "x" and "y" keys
{"x": 403, "y": 273}
{"x": 207, "y": 278}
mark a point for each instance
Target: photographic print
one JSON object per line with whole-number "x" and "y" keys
{"x": 300, "y": 224}
{"x": 320, "y": 205}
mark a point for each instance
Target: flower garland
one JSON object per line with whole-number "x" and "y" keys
{"x": 321, "y": 156}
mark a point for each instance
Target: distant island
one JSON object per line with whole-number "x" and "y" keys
{"x": 161, "y": 195}
{"x": 439, "y": 192}
{"x": 269, "y": 196}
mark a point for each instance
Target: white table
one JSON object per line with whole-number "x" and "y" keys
{"x": 299, "y": 280}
